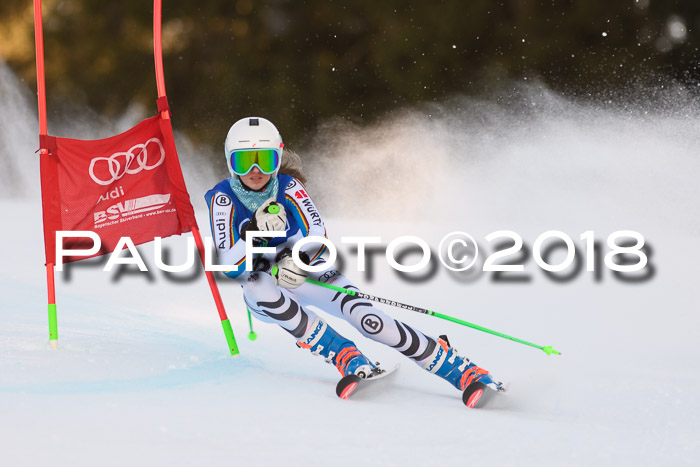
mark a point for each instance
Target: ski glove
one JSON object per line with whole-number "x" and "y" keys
{"x": 270, "y": 216}
{"x": 286, "y": 273}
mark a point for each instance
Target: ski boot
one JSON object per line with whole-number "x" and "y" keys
{"x": 462, "y": 374}
{"x": 323, "y": 340}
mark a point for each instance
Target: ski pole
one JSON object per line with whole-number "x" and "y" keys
{"x": 546, "y": 349}
{"x": 252, "y": 334}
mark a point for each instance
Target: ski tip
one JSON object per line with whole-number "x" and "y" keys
{"x": 473, "y": 394}
{"x": 549, "y": 350}
{"x": 474, "y": 398}
{"x": 477, "y": 395}
{"x": 346, "y": 386}
{"x": 348, "y": 390}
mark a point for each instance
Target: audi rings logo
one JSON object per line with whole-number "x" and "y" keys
{"x": 146, "y": 156}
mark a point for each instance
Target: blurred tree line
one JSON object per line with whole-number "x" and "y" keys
{"x": 299, "y": 62}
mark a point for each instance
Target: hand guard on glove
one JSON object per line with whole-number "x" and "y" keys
{"x": 270, "y": 216}
{"x": 286, "y": 273}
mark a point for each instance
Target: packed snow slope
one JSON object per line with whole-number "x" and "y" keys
{"x": 142, "y": 375}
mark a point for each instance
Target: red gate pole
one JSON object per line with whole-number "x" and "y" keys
{"x": 43, "y": 152}
{"x": 165, "y": 114}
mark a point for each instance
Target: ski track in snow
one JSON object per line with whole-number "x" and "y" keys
{"x": 142, "y": 377}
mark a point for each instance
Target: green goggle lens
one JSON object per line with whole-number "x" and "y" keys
{"x": 242, "y": 162}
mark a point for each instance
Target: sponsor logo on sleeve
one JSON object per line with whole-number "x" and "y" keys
{"x": 220, "y": 231}
{"x": 311, "y": 210}
{"x": 222, "y": 200}
{"x": 221, "y": 218}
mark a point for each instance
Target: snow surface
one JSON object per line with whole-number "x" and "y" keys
{"x": 142, "y": 376}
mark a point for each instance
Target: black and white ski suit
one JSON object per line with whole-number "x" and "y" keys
{"x": 290, "y": 308}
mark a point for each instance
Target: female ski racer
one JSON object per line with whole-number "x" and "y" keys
{"x": 266, "y": 192}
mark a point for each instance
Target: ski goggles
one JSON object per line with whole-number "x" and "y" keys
{"x": 243, "y": 161}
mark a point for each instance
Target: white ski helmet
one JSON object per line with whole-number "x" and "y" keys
{"x": 252, "y": 133}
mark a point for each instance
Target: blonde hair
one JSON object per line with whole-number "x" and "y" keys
{"x": 291, "y": 165}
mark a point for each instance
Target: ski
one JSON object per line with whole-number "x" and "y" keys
{"x": 478, "y": 395}
{"x": 350, "y": 383}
